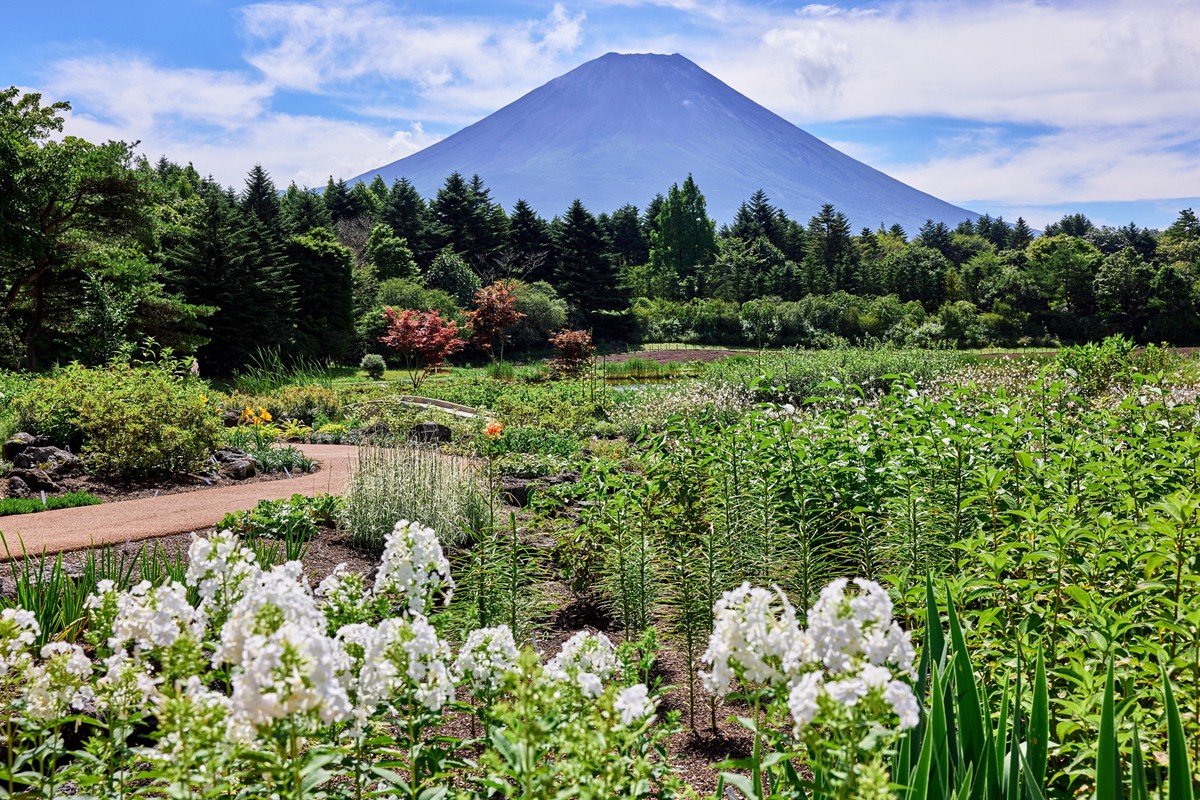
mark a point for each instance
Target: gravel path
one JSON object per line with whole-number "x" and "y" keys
{"x": 149, "y": 517}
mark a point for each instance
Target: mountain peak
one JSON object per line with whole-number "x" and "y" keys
{"x": 625, "y": 126}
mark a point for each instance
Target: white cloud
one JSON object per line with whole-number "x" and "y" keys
{"x": 220, "y": 122}
{"x": 457, "y": 64}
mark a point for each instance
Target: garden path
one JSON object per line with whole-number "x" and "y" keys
{"x": 150, "y": 517}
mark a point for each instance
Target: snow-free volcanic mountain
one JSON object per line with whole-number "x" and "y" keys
{"x": 622, "y": 128}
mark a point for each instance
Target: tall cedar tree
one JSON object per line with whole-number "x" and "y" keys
{"x": 216, "y": 264}
{"x": 466, "y": 219}
{"x": 324, "y": 319}
{"x": 829, "y": 253}
{"x": 530, "y": 242}
{"x": 408, "y": 215}
{"x": 627, "y": 237}
{"x": 301, "y": 210}
{"x": 586, "y": 276}
{"x": 685, "y": 242}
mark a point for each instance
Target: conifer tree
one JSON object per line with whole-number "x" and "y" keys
{"x": 685, "y": 242}
{"x": 530, "y": 242}
{"x": 829, "y": 254}
{"x": 408, "y": 216}
{"x": 324, "y": 316}
{"x": 1021, "y": 235}
{"x": 301, "y": 210}
{"x": 586, "y": 275}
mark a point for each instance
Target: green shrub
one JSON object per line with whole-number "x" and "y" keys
{"x": 126, "y": 421}
{"x": 306, "y": 403}
{"x": 374, "y": 365}
{"x": 537, "y": 441}
{"x": 291, "y": 523}
{"x": 30, "y": 505}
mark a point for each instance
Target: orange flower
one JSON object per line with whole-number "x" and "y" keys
{"x": 493, "y": 428}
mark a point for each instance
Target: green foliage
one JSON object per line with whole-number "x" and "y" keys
{"x": 537, "y": 441}
{"x": 126, "y": 421}
{"x": 1115, "y": 362}
{"x": 291, "y": 523}
{"x": 30, "y": 505}
{"x": 373, "y": 365}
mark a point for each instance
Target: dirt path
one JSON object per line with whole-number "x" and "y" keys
{"x": 146, "y": 518}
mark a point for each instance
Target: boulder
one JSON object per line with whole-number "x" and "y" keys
{"x": 20, "y": 442}
{"x": 429, "y": 433}
{"x": 35, "y": 479}
{"x": 229, "y": 455}
{"x": 55, "y": 460}
{"x": 18, "y": 488}
{"x": 239, "y": 470}
{"x": 517, "y": 491}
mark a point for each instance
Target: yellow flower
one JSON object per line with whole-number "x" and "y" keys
{"x": 264, "y": 415}
{"x": 203, "y": 399}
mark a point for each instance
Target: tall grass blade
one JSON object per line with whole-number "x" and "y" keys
{"x": 1179, "y": 773}
{"x": 1108, "y": 758}
{"x": 1038, "y": 736}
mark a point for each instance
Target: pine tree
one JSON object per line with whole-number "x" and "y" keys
{"x": 830, "y": 259}
{"x": 685, "y": 242}
{"x": 301, "y": 210}
{"x": 586, "y": 276}
{"x": 530, "y": 242}
{"x": 630, "y": 247}
{"x": 337, "y": 200}
{"x": 322, "y": 269}
{"x": 408, "y": 215}
{"x": 1021, "y": 235}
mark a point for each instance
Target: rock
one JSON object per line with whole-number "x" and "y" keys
{"x": 517, "y": 491}
{"x": 20, "y": 442}
{"x": 57, "y": 461}
{"x": 229, "y": 455}
{"x": 8, "y": 585}
{"x": 239, "y": 470}
{"x": 35, "y": 479}
{"x": 429, "y": 433}
{"x": 376, "y": 430}
{"x": 231, "y": 418}
{"x": 18, "y": 488}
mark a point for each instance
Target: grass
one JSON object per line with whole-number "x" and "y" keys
{"x": 419, "y": 484}
{"x": 31, "y": 505}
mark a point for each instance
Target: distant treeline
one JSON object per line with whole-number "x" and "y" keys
{"x": 102, "y": 253}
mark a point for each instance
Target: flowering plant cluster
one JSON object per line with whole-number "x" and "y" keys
{"x": 845, "y": 679}
{"x": 241, "y": 679}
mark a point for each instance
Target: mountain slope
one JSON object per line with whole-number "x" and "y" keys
{"x": 622, "y": 128}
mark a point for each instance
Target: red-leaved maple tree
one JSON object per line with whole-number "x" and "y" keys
{"x": 494, "y": 313}
{"x": 575, "y": 351}
{"x": 422, "y": 338}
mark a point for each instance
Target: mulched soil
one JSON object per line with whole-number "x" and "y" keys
{"x": 111, "y": 491}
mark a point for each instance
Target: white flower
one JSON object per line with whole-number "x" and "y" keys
{"x": 220, "y": 569}
{"x": 847, "y": 691}
{"x": 634, "y": 704}
{"x": 843, "y": 629}
{"x": 590, "y": 684}
{"x": 278, "y": 596}
{"x": 586, "y": 658}
{"x": 414, "y": 566}
{"x": 486, "y": 656}
{"x": 402, "y": 657}
{"x": 59, "y": 683}
{"x": 803, "y": 699}
{"x": 19, "y": 629}
{"x": 294, "y": 669}
{"x": 153, "y": 618}
{"x": 899, "y": 695}
{"x": 126, "y": 686}
{"x": 754, "y": 630}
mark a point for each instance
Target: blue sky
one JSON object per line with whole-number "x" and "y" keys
{"x": 1013, "y": 107}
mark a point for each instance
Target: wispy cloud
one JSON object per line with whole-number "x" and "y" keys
{"x": 221, "y": 122}
{"x": 456, "y": 63}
